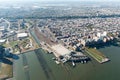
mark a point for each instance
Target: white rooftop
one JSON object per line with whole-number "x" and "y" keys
{"x": 2, "y": 40}
{"x": 19, "y": 35}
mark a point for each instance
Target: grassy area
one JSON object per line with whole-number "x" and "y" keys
{"x": 13, "y": 43}
{"x": 6, "y": 45}
{"x": 95, "y": 54}
{"x": 6, "y": 71}
{"x": 23, "y": 43}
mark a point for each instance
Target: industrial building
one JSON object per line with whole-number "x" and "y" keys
{"x": 2, "y": 41}
{"x": 22, "y": 35}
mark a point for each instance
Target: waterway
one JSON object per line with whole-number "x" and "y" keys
{"x": 40, "y": 66}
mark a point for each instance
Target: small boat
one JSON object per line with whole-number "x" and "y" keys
{"x": 57, "y": 62}
{"x": 82, "y": 62}
{"x": 85, "y": 61}
{"x": 54, "y": 58}
{"x": 73, "y": 63}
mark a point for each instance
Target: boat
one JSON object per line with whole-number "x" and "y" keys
{"x": 73, "y": 63}
{"x": 85, "y": 61}
{"x": 57, "y": 62}
{"x": 82, "y": 62}
{"x": 54, "y": 58}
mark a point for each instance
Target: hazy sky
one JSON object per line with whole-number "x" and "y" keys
{"x": 54, "y": 0}
{"x": 5, "y": 2}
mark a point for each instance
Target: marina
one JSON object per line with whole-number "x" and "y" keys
{"x": 61, "y": 53}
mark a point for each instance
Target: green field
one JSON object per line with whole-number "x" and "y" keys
{"x": 95, "y": 54}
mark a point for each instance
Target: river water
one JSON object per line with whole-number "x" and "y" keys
{"x": 40, "y": 66}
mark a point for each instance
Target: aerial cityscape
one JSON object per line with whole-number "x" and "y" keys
{"x": 59, "y": 40}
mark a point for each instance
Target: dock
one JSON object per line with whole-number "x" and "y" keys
{"x": 98, "y": 56}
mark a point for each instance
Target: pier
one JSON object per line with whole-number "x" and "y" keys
{"x": 98, "y": 56}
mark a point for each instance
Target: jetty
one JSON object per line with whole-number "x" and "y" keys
{"x": 98, "y": 56}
